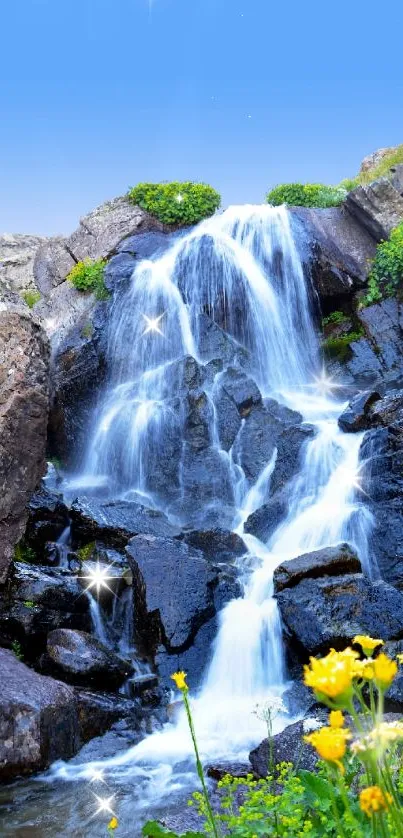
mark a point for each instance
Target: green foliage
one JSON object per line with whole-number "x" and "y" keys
{"x": 88, "y": 276}
{"x": 306, "y": 195}
{"x": 31, "y": 297}
{"x": 86, "y": 552}
{"x": 29, "y": 603}
{"x": 336, "y": 318}
{"x": 339, "y": 347}
{"x": 176, "y": 203}
{"x": 17, "y": 649}
{"x": 383, "y": 168}
{"x": 387, "y": 267}
{"x": 23, "y": 553}
{"x": 152, "y": 829}
{"x": 349, "y": 183}
{"x": 87, "y": 331}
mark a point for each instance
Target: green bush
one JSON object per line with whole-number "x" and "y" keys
{"x": 88, "y": 276}
{"x": 387, "y": 267}
{"x": 339, "y": 347}
{"x": 336, "y": 318}
{"x": 31, "y": 297}
{"x": 306, "y": 195}
{"x": 176, "y": 203}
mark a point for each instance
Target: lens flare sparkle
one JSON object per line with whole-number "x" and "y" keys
{"x": 153, "y": 324}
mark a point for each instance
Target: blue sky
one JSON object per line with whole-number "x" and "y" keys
{"x": 97, "y": 95}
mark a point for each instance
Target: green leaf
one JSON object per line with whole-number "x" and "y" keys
{"x": 316, "y": 787}
{"x": 152, "y": 829}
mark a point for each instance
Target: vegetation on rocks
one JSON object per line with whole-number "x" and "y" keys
{"x": 306, "y": 195}
{"x": 386, "y": 276}
{"x": 31, "y": 297}
{"x": 357, "y": 789}
{"x": 382, "y": 169}
{"x": 176, "y": 203}
{"x": 88, "y": 276}
{"x": 338, "y": 346}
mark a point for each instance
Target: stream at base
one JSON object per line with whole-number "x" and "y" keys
{"x": 254, "y": 267}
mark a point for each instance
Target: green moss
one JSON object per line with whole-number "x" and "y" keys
{"x": 87, "y": 331}
{"x": 31, "y": 297}
{"x": 86, "y": 552}
{"x": 176, "y": 203}
{"x": 23, "y": 553}
{"x": 306, "y": 195}
{"x": 17, "y": 649}
{"x": 29, "y": 604}
{"x": 339, "y": 347}
{"x": 88, "y": 276}
{"x": 335, "y": 318}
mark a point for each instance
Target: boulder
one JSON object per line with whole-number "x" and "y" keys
{"x": 290, "y": 445}
{"x": 79, "y": 658}
{"x": 217, "y": 545}
{"x": 377, "y": 207}
{"x": 397, "y": 178}
{"x": 288, "y": 746}
{"x": 48, "y": 517}
{"x": 213, "y": 342}
{"x": 356, "y": 417}
{"x": 38, "y": 719}
{"x": 62, "y": 310}
{"x": 17, "y": 255}
{"x": 324, "y": 613}
{"x": 256, "y": 441}
{"x": 115, "y": 522}
{"x": 371, "y": 161}
{"x": 241, "y": 389}
{"x": 329, "y": 561}
{"x": 264, "y": 521}
{"x": 24, "y": 399}
{"x": 52, "y": 262}
{"x": 98, "y": 711}
{"x": 207, "y": 493}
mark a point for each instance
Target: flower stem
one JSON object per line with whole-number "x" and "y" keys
{"x": 199, "y": 766}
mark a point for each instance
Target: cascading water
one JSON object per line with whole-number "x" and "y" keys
{"x": 243, "y": 270}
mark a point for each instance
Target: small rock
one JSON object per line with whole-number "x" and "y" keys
{"x": 329, "y": 561}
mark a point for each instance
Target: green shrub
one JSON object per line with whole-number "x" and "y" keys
{"x": 86, "y": 552}
{"x": 336, "y": 318}
{"x": 176, "y": 203}
{"x": 387, "y": 267}
{"x": 306, "y": 195}
{"x": 23, "y": 553}
{"x": 339, "y": 347}
{"x": 29, "y": 603}
{"x": 88, "y": 276}
{"x": 17, "y": 649}
{"x": 31, "y": 297}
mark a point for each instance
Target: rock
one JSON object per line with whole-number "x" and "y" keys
{"x": 98, "y": 711}
{"x": 388, "y": 411}
{"x": 17, "y": 255}
{"x": 290, "y": 445}
{"x": 256, "y": 441}
{"x": 62, "y": 309}
{"x": 337, "y": 249}
{"x": 324, "y": 613}
{"x": 329, "y": 561}
{"x": 24, "y": 371}
{"x": 213, "y": 342}
{"x": 227, "y": 417}
{"x": 355, "y": 416}
{"x": 264, "y": 521}
{"x": 39, "y": 599}
{"x": 383, "y": 323}
{"x": 377, "y": 206}
{"x": 219, "y": 770}
{"x": 241, "y": 389}
{"x": 288, "y": 746}
{"x": 38, "y": 719}
{"x": 52, "y": 262}
{"x": 216, "y": 545}
{"x": 371, "y": 161}
{"x": 206, "y": 489}
{"x": 397, "y": 178}
{"x": 115, "y": 522}
{"x": 198, "y": 421}
{"x": 167, "y": 622}
{"x": 48, "y": 517}
{"x": 79, "y": 658}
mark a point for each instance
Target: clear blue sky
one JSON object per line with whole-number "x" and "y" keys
{"x": 96, "y": 95}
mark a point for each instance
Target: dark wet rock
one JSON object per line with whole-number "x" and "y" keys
{"x": 256, "y": 441}
{"x": 115, "y": 522}
{"x": 355, "y": 416}
{"x": 282, "y": 412}
{"x": 168, "y": 622}
{"x": 24, "y": 399}
{"x": 98, "y": 711}
{"x": 227, "y": 418}
{"x": 213, "y": 342}
{"x": 241, "y": 389}
{"x": 337, "y": 251}
{"x": 198, "y": 423}
{"x": 388, "y": 411}
{"x": 38, "y": 719}
{"x": 205, "y": 480}
{"x": 382, "y": 449}
{"x": 151, "y": 244}
{"x": 264, "y": 521}
{"x": 38, "y": 600}
{"x": 289, "y": 446}
{"x": 327, "y": 612}
{"x": 377, "y": 207}
{"x": 383, "y": 324}
{"x": 120, "y": 267}
{"x": 216, "y": 545}
{"x": 288, "y": 746}
{"x": 48, "y": 517}
{"x": 79, "y": 658}
{"x": 219, "y": 770}
{"x": 299, "y": 699}
{"x": 329, "y": 561}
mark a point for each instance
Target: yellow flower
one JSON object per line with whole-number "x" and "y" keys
{"x": 368, "y": 644}
{"x": 336, "y": 718}
{"x": 331, "y": 676}
{"x": 372, "y": 799}
{"x": 384, "y": 671}
{"x": 180, "y": 681}
{"x": 400, "y": 658}
{"x": 379, "y": 739}
{"x": 330, "y": 743}
{"x": 363, "y": 669}
{"x": 113, "y": 824}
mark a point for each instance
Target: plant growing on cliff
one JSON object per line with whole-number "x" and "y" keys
{"x": 387, "y": 267}
{"x": 88, "y": 276}
{"x": 176, "y": 203}
{"x": 306, "y": 195}
{"x": 394, "y": 158}
{"x": 31, "y": 297}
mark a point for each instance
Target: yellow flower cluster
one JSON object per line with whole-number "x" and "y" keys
{"x": 372, "y": 800}
{"x": 330, "y": 742}
{"x": 332, "y": 677}
{"x": 368, "y": 644}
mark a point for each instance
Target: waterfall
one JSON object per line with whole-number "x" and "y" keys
{"x": 243, "y": 270}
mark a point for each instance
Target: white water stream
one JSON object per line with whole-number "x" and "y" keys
{"x": 243, "y": 268}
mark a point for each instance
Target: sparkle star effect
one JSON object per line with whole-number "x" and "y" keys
{"x": 352, "y": 478}
{"x": 179, "y": 198}
{"x": 97, "y": 777}
{"x": 98, "y": 577}
{"x": 104, "y": 805}
{"x": 153, "y": 324}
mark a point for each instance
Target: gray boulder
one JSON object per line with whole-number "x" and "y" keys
{"x": 24, "y": 399}
{"x": 377, "y": 206}
{"x": 288, "y": 746}
{"x": 17, "y": 255}
{"x": 38, "y": 719}
{"x": 79, "y": 658}
{"x": 217, "y": 545}
{"x": 324, "y": 613}
{"x": 329, "y": 561}
{"x": 264, "y": 521}
{"x": 115, "y": 522}
{"x": 356, "y": 416}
